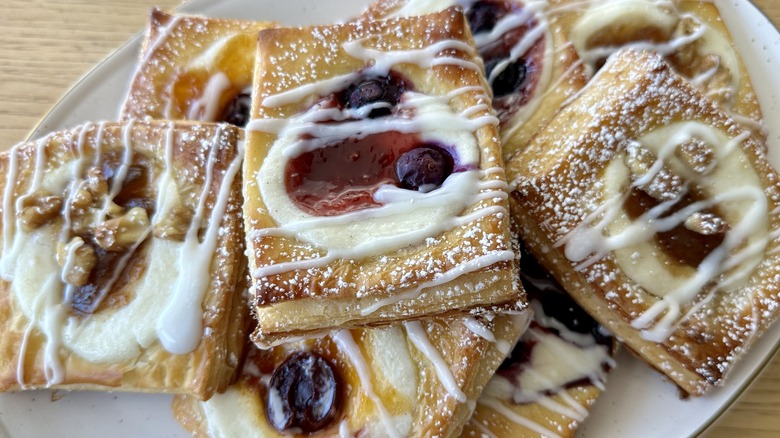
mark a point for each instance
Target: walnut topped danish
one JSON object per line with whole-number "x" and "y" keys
{"x": 120, "y": 262}
{"x": 374, "y": 185}
{"x": 659, "y": 214}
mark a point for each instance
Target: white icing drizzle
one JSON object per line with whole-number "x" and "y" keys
{"x": 486, "y": 432}
{"x": 434, "y": 119}
{"x": 443, "y": 278}
{"x": 420, "y": 340}
{"x": 10, "y": 223}
{"x": 664, "y": 16}
{"x": 347, "y": 345}
{"x": 164, "y": 33}
{"x": 180, "y": 327}
{"x": 205, "y": 108}
{"x": 591, "y": 56}
{"x": 425, "y": 58}
{"x": 344, "y": 431}
{"x": 728, "y": 266}
{"x": 402, "y": 202}
{"x": 118, "y": 179}
{"x": 532, "y": 11}
{"x": 52, "y": 324}
{"x": 77, "y": 169}
{"x": 11, "y": 249}
{"x": 497, "y": 406}
{"x": 575, "y": 411}
{"x": 480, "y": 330}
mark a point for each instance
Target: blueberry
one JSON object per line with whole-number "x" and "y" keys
{"x": 385, "y": 90}
{"x": 423, "y": 167}
{"x": 483, "y": 16}
{"x": 303, "y": 393}
{"x": 237, "y": 111}
{"x": 510, "y": 79}
{"x": 365, "y": 93}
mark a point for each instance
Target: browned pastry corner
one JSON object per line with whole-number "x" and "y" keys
{"x": 194, "y": 68}
{"x": 689, "y": 33}
{"x": 121, "y": 259}
{"x": 376, "y": 382}
{"x": 345, "y": 227}
{"x": 658, "y": 213}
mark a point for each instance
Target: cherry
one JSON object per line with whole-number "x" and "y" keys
{"x": 483, "y": 16}
{"x": 237, "y": 110}
{"x": 423, "y": 168}
{"x": 510, "y": 79}
{"x": 365, "y": 93}
{"x": 303, "y": 393}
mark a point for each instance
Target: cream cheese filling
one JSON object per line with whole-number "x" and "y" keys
{"x": 109, "y": 336}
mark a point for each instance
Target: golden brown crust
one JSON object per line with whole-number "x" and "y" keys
{"x": 207, "y": 369}
{"x": 530, "y": 419}
{"x": 636, "y": 94}
{"x": 408, "y": 386}
{"x": 181, "y": 54}
{"x": 690, "y": 34}
{"x": 298, "y": 299}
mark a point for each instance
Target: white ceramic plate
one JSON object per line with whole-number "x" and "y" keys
{"x": 638, "y": 402}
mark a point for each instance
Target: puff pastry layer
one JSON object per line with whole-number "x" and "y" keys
{"x": 367, "y": 251}
{"x": 658, "y": 213}
{"x": 121, "y": 259}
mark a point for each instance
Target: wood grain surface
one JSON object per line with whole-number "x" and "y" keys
{"x": 46, "y": 46}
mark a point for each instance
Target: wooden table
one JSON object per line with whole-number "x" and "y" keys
{"x": 48, "y": 45}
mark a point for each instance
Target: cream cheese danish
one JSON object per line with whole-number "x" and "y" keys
{"x": 374, "y": 186}
{"x": 659, "y": 214}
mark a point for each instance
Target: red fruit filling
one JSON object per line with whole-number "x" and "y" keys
{"x": 341, "y": 178}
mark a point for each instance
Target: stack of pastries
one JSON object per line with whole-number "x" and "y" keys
{"x": 439, "y": 218}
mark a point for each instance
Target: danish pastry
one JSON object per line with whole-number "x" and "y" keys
{"x": 121, "y": 259}
{"x": 531, "y": 67}
{"x": 194, "y": 68}
{"x": 416, "y": 379}
{"x": 553, "y": 375}
{"x": 659, "y": 214}
{"x": 374, "y": 186}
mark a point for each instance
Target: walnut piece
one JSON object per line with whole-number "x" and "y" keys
{"x": 174, "y": 225}
{"x": 122, "y": 232}
{"x": 77, "y": 259}
{"x": 697, "y": 155}
{"x": 38, "y": 208}
{"x": 97, "y": 183}
{"x": 706, "y": 223}
{"x": 663, "y": 184}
